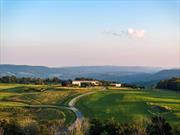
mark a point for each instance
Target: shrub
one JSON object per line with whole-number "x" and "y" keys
{"x": 176, "y": 130}
{"x": 158, "y": 126}
{"x": 10, "y": 128}
{"x": 81, "y": 128}
{"x": 111, "y": 127}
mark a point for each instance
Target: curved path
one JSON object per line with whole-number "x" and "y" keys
{"x": 79, "y": 115}
{"x": 71, "y": 106}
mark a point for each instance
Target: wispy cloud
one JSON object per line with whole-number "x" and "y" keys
{"x": 135, "y": 33}
{"x": 120, "y": 33}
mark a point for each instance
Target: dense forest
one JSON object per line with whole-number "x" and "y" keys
{"x": 171, "y": 84}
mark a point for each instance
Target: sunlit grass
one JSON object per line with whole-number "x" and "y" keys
{"x": 131, "y": 105}
{"x": 34, "y": 103}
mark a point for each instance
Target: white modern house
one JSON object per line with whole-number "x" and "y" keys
{"x": 80, "y": 82}
{"x": 116, "y": 84}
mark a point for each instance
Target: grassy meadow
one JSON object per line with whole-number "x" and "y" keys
{"x": 131, "y": 105}
{"x": 47, "y": 103}
{"x": 37, "y": 103}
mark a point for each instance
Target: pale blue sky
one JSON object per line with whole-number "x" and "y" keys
{"x": 75, "y": 33}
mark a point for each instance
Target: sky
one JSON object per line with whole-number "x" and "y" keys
{"x": 86, "y": 33}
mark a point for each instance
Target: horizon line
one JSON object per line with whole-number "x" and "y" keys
{"x": 161, "y": 67}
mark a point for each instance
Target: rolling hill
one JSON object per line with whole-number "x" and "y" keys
{"x": 125, "y": 74}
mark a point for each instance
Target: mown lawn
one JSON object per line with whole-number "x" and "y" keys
{"x": 131, "y": 105}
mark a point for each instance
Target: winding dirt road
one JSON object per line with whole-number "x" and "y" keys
{"x": 71, "y": 106}
{"x": 79, "y": 115}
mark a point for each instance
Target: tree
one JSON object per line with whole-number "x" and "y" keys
{"x": 39, "y": 81}
{"x": 66, "y": 82}
{"x": 8, "y": 79}
{"x": 171, "y": 84}
{"x": 56, "y": 80}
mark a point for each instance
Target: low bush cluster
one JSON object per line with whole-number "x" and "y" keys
{"x": 157, "y": 126}
{"x": 13, "y": 128}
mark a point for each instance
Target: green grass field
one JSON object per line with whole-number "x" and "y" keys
{"x": 36, "y": 103}
{"x": 131, "y": 105}
{"x": 44, "y": 103}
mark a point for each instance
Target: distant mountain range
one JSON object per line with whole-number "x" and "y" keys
{"x": 125, "y": 74}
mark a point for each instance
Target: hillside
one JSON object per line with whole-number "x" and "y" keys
{"x": 73, "y": 72}
{"x": 161, "y": 75}
{"x": 140, "y": 75}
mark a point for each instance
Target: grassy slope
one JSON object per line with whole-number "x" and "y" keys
{"x": 128, "y": 105}
{"x": 20, "y": 102}
{"x": 121, "y": 105}
{"x": 41, "y": 115}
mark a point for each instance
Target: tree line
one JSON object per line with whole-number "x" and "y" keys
{"x": 56, "y": 80}
{"x": 38, "y": 81}
{"x": 170, "y": 84}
